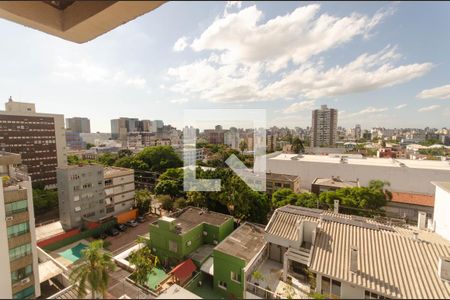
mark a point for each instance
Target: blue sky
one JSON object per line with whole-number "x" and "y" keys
{"x": 380, "y": 64}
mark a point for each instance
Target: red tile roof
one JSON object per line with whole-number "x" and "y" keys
{"x": 416, "y": 199}
{"x": 184, "y": 270}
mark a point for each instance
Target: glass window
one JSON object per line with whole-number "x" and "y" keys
{"x": 222, "y": 284}
{"x": 236, "y": 276}
{"x": 335, "y": 288}
{"x": 18, "y": 229}
{"x": 16, "y": 207}
{"x": 21, "y": 273}
{"x": 325, "y": 288}
{"x": 19, "y": 252}
{"x": 26, "y": 293}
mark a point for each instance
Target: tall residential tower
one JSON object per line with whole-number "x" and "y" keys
{"x": 324, "y": 127}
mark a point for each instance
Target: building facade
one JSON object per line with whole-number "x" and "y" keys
{"x": 18, "y": 253}
{"x": 81, "y": 194}
{"x": 276, "y": 181}
{"x": 324, "y": 127}
{"x": 80, "y": 125}
{"x": 119, "y": 189}
{"x": 39, "y": 138}
{"x": 74, "y": 141}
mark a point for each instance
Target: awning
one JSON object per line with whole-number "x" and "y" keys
{"x": 48, "y": 270}
{"x": 208, "y": 266}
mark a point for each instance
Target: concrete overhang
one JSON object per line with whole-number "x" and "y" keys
{"x": 75, "y": 21}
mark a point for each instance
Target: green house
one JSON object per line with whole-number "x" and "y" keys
{"x": 233, "y": 257}
{"x": 173, "y": 238}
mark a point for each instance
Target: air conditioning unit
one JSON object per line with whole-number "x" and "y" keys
{"x": 205, "y": 233}
{"x": 188, "y": 243}
{"x": 25, "y": 281}
{"x": 9, "y": 218}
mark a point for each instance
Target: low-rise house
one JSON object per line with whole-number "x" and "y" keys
{"x": 320, "y": 185}
{"x": 276, "y": 181}
{"x": 233, "y": 257}
{"x": 174, "y": 237}
{"x": 408, "y": 206}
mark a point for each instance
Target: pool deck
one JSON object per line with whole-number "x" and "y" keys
{"x": 64, "y": 261}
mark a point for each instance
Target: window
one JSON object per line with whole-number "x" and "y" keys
{"x": 222, "y": 284}
{"x": 331, "y": 287}
{"x": 173, "y": 246}
{"x": 19, "y": 252}
{"x": 26, "y": 293}
{"x": 371, "y": 295}
{"x": 22, "y": 273}
{"x": 18, "y": 229}
{"x": 236, "y": 277}
{"x": 16, "y": 207}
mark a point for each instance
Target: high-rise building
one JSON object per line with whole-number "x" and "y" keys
{"x": 39, "y": 138}
{"x": 358, "y": 133}
{"x": 80, "y": 125}
{"x": 324, "y": 127}
{"x": 18, "y": 252}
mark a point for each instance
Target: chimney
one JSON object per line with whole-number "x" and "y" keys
{"x": 415, "y": 236}
{"x": 336, "y": 206}
{"x": 422, "y": 220}
{"x": 353, "y": 259}
{"x": 444, "y": 268}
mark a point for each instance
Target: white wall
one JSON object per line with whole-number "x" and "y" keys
{"x": 441, "y": 212}
{"x": 402, "y": 179}
{"x": 349, "y": 291}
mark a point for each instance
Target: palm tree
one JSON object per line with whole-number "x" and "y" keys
{"x": 93, "y": 271}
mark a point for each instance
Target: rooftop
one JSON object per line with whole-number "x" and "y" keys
{"x": 245, "y": 242}
{"x": 283, "y": 177}
{"x": 110, "y": 172}
{"x": 336, "y": 182}
{"x": 191, "y": 217}
{"x": 177, "y": 292}
{"x": 8, "y": 158}
{"x": 415, "y": 199}
{"x": 443, "y": 185}
{"x": 391, "y": 261}
{"x": 379, "y": 162}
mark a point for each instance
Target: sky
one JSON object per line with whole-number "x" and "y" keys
{"x": 379, "y": 63}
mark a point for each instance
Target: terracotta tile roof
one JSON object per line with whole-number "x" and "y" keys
{"x": 184, "y": 270}
{"x": 416, "y": 199}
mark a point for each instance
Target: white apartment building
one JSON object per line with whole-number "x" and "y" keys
{"x": 18, "y": 252}
{"x": 404, "y": 175}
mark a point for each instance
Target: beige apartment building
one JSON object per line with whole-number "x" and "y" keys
{"x": 18, "y": 254}
{"x": 324, "y": 127}
{"x": 119, "y": 189}
{"x": 38, "y": 137}
{"x": 276, "y": 181}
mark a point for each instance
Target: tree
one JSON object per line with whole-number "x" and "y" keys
{"x": 131, "y": 162}
{"x": 89, "y": 146}
{"x": 143, "y": 200}
{"x": 124, "y": 153}
{"x": 380, "y": 185}
{"x": 107, "y": 159}
{"x": 256, "y": 275}
{"x": 93, "y": 270}
{"x": 166, "y": 202}
{"x": 73, "y": 159}
{"x": 297, "y": 146}
{"x": 160, "y": 158}
{"x": 243, "y": 145}
{"x": 44, "y": 200}
{"x": 195, "y": 198}
{"x": 143, "y": 262}
{"x": 282, "y": 197}
{"x": 169, "y": 187}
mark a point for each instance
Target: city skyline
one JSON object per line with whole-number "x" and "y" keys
{"x": 373, "y": 72}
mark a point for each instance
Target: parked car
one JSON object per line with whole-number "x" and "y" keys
{"x": 140, "y": 219}
{"x": 121, "y": 227}
{"x": 112, "y": 231}
{"x": 132, "y": 223}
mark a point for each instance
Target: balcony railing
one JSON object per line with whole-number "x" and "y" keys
{"x": 261, "y": 292}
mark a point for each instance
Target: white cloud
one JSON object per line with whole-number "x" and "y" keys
{"x": 294, "y": 37}
{"x": 400, "y": 106}
{"x": 442, "y": 92}
{"x": 238, "y": 82}
{"x": 299, "y": 106}
{"x": 428, "y": 108}
{"x": 367, "y": 111}
{"x": 179, "y": 100}
{"x": 231, "y": 4}
{"x": 180, "y": 44}
{"x": 90, "y": 72}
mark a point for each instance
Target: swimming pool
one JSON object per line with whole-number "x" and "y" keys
{"x": 73, "y": 254}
